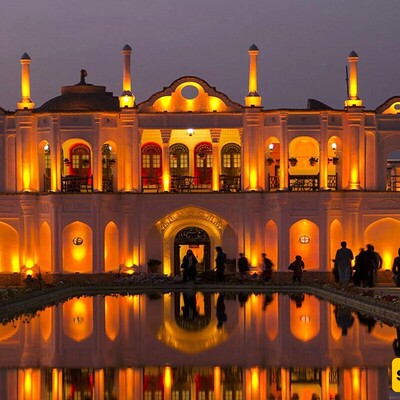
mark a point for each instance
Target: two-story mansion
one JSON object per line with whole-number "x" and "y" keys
{"x": 91, "y": 182}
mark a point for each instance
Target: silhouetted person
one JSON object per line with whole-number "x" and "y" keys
{"x": 367, "y": 261}
{"x": 268, "y": 299}
{"x": 396, "y": 269}
{"x": 344, "y": 319}
{"x": 343, "y": 259}
{"x": 267, "y": 267}
{"x": 189, "y": 308}
{"x": 377, "y": 263}
{"x": 297, "y": 267}
{"x": 243, "y": 297}
{"x": 357, "y": 275}
{"x": 243, "y": 264}
{"x": 298, "y": 298}
{"x": 220, "y": 263}
{"x": 189, "y": 263}
{"x": 221, "y": 315}
{"x": 366, "y": 321}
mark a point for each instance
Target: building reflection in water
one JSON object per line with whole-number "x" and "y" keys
{"x": 196, "y": 346}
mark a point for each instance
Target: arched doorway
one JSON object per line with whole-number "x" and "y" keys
{"x": 198, "y": 241}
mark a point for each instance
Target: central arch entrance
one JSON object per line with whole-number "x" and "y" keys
{"x": 198, "y": 241}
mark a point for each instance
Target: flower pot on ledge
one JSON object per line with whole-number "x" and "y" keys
{"x": 293, "y": 161}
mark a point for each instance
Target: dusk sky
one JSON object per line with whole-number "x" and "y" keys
{"x": 303, "y": 46}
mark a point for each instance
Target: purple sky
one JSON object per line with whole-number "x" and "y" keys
{"x": 303, "y": 46}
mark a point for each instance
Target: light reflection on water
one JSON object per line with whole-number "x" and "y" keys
{"x": 196, "y": 346}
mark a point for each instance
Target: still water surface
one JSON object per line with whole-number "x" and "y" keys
{"x": 196, "y": 346}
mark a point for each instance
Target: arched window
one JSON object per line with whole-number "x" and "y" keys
{"x": 179, "y": 159}
{"x": 203, "y": 163}
{"x": 230, "y": 159}
{"x": 80, "y": 160}
{"x": 151, "y": 162}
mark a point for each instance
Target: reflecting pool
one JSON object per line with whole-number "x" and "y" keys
{"x": 196, "y": 346}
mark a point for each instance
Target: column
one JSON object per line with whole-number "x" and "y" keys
{"x": 96, "y": 156}
{"x": 26, "y": 103}
{"x": 253, "y": 99}
{"x": 57, "y": 163}
{"x": 323, "y": 153}
{"x": 166, "y": 174}
{"x": 354, "y": 121}
{"x": 353, "y": 99}
{"x": 252, "y": 147}
{"x": 99, "y": 384}
{"x": 217, "y": 383}
{"x": 57, "y": 380}
{"x": 216, "y": 165}
{"x": 25, "y": 162}
{"x": 30, "y": 232}
{"x": 284, "y": 154}
{"x": 128, "y": 163}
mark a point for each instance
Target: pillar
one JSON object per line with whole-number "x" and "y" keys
{"x": 166, "y": 174}
{"x": 128, "y": 161}
{"x": 284, "y": 154}
{"x": 353, "y": 99}
{"x": 323, "y": 154}
{"x": 354, "y": 136}
{"x": 252, "y": 148}
{"x": 253, "y": 99}
{"x": 127, "y": 99}
{"x": 216, "y": 164}
{"x": 26, "y": 103}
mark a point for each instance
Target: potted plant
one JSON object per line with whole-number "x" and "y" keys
{"x": 67, "y": 163}
{"x": 85, "y": 163}
{"x": 313, "y": 160}
{"x": 293, "y": 161}
{"x": 112, "y": 162}
{"x": 335, "y": 160}
{"x": 269, "y": 161}
{"x": 154, "y": 265}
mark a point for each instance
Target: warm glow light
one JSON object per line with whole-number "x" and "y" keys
{"x": 254, "y": 378}
{"x": 166, "y": 180}
{"x": 253, "y": 179}
{"x": 26, "y": 179}
{"x": 190, "y": 131}
{"x": 46, "y": 147}
{"x": 127, "y": 101}
{"x": 28, "y": 382}
{"x": 168, "y": 377}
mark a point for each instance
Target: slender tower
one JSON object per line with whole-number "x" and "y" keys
{"x": 353, "y": 99}
{"x": 26, "y": 103}
{"x": 253, "y": 99}
{"x": 127, "y": 99}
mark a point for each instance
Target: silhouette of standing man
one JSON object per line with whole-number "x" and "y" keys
{"x": 220, "y": 263}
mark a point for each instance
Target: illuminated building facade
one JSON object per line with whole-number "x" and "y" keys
{"x": 95, "y": 183}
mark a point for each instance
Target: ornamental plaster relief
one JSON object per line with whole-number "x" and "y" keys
{"x": 191, "y": 214}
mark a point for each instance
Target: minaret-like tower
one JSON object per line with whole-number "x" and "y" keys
{"x": 127, "y": 99}
{"x": 26, "y": 103}
{"x": 353, "y": 100}
{"x": 253, "y": 99}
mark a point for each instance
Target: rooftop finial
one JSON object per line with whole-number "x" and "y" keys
{"x": 83, "y": 76}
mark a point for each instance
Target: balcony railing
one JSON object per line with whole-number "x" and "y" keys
{"x": 108, "y": 184}
{"x": 77, "y": 184}
{"x": 303, "y": 183}
{"x": 392, "y": 183}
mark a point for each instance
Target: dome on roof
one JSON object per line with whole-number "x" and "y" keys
{"x": 82, "y": 97}
{"x": 253, "y": 47}
{"x": 25, "y": 56}
{"x": 353, "y": 54}
{"x": 127, "y": 48}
